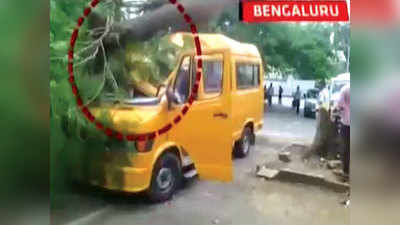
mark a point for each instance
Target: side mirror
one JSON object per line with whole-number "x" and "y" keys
{"x": 170, "y": 96}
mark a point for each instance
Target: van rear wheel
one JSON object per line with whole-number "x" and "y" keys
{"x": 166, "y": 178}
{"x": 244, "y": 145}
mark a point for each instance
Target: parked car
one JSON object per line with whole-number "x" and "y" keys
{"x": 203, "y": 131}
{"x": 311, "y": 102}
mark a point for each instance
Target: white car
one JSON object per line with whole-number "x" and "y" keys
{"x": 311, "y": 102}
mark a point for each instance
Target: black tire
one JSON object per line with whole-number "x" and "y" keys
{"x": 306, "y": 113}
{"x": 244, "y": 145}
{"x": 314, "y": 115}
{"x": 166, "y": 178}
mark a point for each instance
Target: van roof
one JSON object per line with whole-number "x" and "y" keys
{"x": 220, "y": 41}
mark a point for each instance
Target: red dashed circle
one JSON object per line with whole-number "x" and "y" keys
{"x": 108, "y": 131}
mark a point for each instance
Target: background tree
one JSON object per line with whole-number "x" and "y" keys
{"x": 304, "y": 50}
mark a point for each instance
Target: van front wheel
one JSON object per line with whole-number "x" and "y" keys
{"x": 166, "y": 178}
{"x": 244, "y": 145}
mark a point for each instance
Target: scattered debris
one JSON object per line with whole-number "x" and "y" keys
{"x": 267, "y": 173}
{"x": 215, "y": 221}
{"x": 345, "y": 202}
{"x": 294, "y": 164}
{"x": 258, "y": 167}
{"x": 284, "y": 156}
{"x": 334, "y": 164}
{"x": 339, "y": 172}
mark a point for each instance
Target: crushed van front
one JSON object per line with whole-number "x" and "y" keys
{"x": 124, "y": 169}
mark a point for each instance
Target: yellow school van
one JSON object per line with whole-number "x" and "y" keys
{"x": 220, "y": 123}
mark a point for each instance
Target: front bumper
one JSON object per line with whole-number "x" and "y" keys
{"x": 126, "y": 179}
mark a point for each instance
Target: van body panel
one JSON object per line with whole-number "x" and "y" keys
{"x": 247, "y": 103}
{"x": 134, "y": 119}
{"x": 133, "y": 173}
{"x": 206, "y": 133}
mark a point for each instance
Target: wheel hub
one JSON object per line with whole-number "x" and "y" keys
{"x": 164, "y": 178}
{"x": 246, "y": 143}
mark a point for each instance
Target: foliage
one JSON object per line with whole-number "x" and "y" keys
{"x": 75, "y": 143}
{"x": 73, "y": 139}
{"x": 303, "y": 49}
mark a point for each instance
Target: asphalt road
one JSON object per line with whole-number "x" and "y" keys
{"x": 281, "y": 121}
{"x": 247, "y": 200}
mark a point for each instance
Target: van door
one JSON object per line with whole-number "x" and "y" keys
{"x": 205, "y": 131}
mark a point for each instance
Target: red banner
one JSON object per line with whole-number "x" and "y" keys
{"x": 293, "y": 11}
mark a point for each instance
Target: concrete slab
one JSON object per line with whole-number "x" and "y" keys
{"x": 267, "y": 173}
{"x": 284, "y": 156}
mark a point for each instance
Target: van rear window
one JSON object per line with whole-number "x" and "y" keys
{"x": 247, "y": 75}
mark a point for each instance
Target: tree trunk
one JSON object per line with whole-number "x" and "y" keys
{"x": 164, "y": 18}
{"x": 326, "y": 140}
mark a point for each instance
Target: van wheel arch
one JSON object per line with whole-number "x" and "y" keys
{"x": 251, "y": 126}
{"x": 243, "y": 145}
{"x": 167, "y": 165}
{"x": 174, "y": 150}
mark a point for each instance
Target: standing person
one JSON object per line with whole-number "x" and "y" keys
{"x": 344, "y": 108}
{"x": 297, "y": 97}
{"x": 280, "y": 94}
{"x": 265, "y": 92}
{"x": 270, "y": 94}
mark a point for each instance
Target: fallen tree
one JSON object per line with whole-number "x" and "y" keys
{"x": 159, "y": 18}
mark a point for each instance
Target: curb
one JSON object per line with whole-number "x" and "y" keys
{"x": 293, "y": 176}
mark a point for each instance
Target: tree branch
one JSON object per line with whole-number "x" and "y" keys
{"x": 164, "y": 18}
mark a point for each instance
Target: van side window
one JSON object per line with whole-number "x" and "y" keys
{"x": 212, "y": 72}
{"x": 182, "y": 81}
{"x": 247, "y": 75}
{"x": 256, "y": 75}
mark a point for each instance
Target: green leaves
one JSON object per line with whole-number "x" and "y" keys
{"x": 304, "y": 49}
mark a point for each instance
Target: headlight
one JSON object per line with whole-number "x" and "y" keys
{"x": 144, "y": 146}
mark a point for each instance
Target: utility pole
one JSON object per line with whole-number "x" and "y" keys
{"x": 348, "y": 59}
